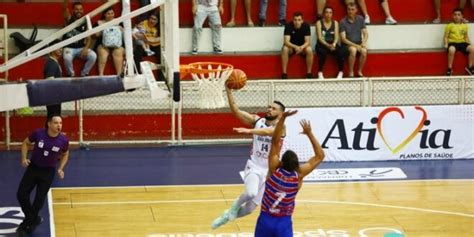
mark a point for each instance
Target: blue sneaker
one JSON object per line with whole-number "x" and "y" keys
{"x": 221, "y": 220}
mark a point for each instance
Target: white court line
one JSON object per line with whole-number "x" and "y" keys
{"x": 231, "y": 185}
{"x": 299, "y": 201}
{"x": 52, "y": 227}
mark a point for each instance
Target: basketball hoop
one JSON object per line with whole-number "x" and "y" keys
{"x": 210, "y": 78}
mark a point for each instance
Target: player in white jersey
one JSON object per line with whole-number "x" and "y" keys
{"x": 257, "y": 166}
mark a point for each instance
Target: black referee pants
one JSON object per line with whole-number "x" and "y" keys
{"x": 38, "y": 177}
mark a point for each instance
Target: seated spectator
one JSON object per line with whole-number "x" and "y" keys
{"x": 363, "y": 7}
{"x": 262, "y": 15}
{"x": 327, "y": 30}
{"x": 201, "y": 11}
{"x": 456, "y": 38}
{"x": 297, "y": 40}
{"x": 462, "y": 5}
{"x": 437, "y": 3}
{"x": 233, "y": 5}
{"x": 147, "y": 33}
{"x": 110, "y": 41}
{"x": 354, "y": 36}
{"x": 80, "y": 48}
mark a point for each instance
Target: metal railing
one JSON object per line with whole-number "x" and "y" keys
{"x": 254, "y": 98}
{"x": 4, "y": 55}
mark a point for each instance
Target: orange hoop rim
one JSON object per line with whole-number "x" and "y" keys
{"x": 185, "y": 69}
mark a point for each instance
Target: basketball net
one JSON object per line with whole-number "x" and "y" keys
{"x": 210, "y": 83}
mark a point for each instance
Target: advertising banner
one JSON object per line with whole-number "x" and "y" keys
{"x": 386, "y": 133}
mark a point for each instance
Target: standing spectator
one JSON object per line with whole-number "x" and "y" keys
{"x": 233, "y": 5}
{"x": 456, "y": 38}
{"x": 320, "y": 6}
{"x": 52, "y": 69}
{"x": 297, "y": 40}
{"x": 110, "y": 41}
{"x": 327, "y": 30}
{"x": 462, "y": 5}
{"x": 437, "y": 4}
{"x": 363, "y": 8}
{"x": 203, "y": 9}
{"x": 143, "y": 16}
{"x": 80, "y": 48}
{"x": 354, "y": 36}
{"x": 50, "y": 146}
{"x": 147, "y": 33}
{"x": 262, "y": 15}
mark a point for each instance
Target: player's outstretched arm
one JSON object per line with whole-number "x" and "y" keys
{"x": 244, "y": 117}
{"x": 314, "y": 161}
{"x": 256, "y": 131}
{"x": 273, "y": 157}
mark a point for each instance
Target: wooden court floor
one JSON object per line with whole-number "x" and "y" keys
{"x": 429, "y": 208}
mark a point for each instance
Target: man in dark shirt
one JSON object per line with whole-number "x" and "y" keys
{"x": 297, "y": 40}
{"x": 80, "y": 48}
{"x": 52, "y": 69}
{"x": 50, "y": 145}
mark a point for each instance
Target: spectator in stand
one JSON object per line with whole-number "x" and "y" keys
{"x": 437, "y": 3}
{"x": 354, "y": 36}
{"x": 80, "y": 48}
{"x": 456, "y": 38}
{"x": 233, "y": 5}
{"x": 262, "y": 15}
{"x": 462, "y": 5}
{"x": 389, "y": 20}
{"x": 297, "y": 40}
{"x": 327, "y": 30}
{"x": 203, "y": 9}
{"x": 147, "y": 33}
{"x": 110, "y": 41}
{"x": 363, "y": 7}
{"x": 143, "y": 16}
{"x": 52, "y": 69}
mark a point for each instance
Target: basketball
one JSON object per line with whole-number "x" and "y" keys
{"x": 237, "y": 79}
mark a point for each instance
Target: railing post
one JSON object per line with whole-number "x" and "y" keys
{"x": 81, "y": 122}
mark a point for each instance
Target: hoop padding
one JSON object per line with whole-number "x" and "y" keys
{"x": 210, "y": 79}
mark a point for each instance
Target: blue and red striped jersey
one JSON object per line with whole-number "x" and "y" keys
{"x": 280, "y": 193}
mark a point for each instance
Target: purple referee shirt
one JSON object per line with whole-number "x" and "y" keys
{"x": 47, "y": 150}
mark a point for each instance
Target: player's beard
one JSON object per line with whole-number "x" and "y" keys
{"x": 269, "y": 117}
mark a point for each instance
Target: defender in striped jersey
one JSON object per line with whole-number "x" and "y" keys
{"x": 256, "y": 168}
{"x": 284, "y": 181}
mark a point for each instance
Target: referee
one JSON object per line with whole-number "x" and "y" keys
{"x": 50, "y": 145}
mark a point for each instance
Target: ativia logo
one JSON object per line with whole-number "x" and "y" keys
{"x": 429, "y": 139}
